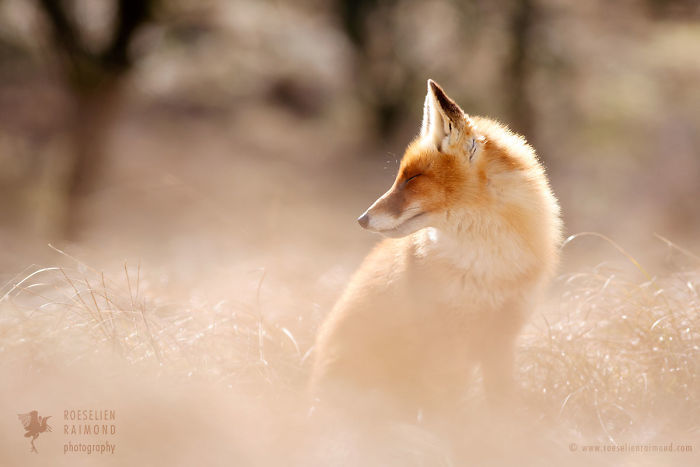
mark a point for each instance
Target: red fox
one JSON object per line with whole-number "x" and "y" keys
{"x": 474, "y": 233}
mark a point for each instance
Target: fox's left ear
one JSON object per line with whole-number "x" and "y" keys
{"x": 444, "y": 122}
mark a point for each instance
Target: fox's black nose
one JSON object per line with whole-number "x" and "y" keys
{"x": 363, "y": 220}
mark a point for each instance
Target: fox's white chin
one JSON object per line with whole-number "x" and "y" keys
{"x": 409, "y": 226}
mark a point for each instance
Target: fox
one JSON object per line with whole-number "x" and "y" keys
{"x": 472, "y": 233}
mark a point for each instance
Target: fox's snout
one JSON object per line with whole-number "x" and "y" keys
{"x": 393, "y": 215}
{"x": 384, "y": 213}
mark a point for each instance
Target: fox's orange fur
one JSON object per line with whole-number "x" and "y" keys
{"x": 476, "y": 231}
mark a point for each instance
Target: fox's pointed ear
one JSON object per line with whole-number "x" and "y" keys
{"x": 444, "y": 121}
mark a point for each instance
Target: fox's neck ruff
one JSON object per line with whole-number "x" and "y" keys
{"x": 486, "y": 247}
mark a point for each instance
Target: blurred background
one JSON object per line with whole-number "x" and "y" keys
{"x": 209, "y": 157}
{"x": 235, "y": 131}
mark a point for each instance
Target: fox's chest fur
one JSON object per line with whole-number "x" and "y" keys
{"x": 423, "y": 305}
{"x": 470, "y": 272}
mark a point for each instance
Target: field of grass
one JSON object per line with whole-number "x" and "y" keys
{"x": 613, "y": 359}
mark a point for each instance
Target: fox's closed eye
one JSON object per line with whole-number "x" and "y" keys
{"x": 411, "y": 178}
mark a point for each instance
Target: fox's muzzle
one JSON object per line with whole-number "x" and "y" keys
{"x": 391, "y": 215}
{"x": 384, "y": 212}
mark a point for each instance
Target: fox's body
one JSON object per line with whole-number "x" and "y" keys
{"x": 476, "y": 232}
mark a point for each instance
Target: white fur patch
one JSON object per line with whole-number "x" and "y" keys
{"x": 382, "y": 221}
{"x": 483, "y": 254}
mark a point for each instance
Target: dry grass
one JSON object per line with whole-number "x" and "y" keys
{"x": 617, "y": 359}
{"x": 227, "y": 342}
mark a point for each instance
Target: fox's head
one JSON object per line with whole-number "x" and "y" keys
{"x": 453, "y": 164}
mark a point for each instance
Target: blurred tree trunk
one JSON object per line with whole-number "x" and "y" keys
{"x": 95, "y": 80}
{"x": 519, "y": 68}
{"x": 93, "y": 116}
{"x": 382, "y": 81}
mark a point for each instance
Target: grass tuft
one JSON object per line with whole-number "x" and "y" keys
{"x": 619, "y": 356}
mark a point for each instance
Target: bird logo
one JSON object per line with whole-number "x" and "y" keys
{"x": 34, "y": 425}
